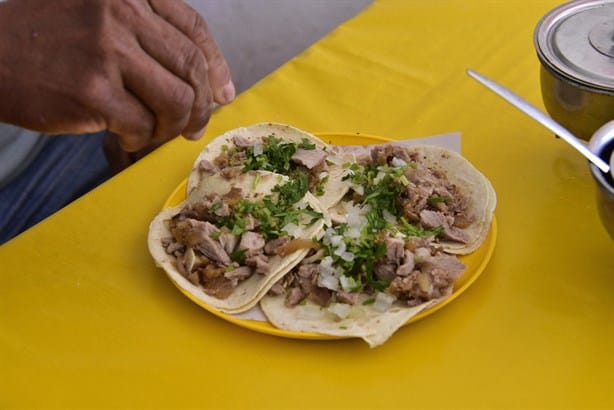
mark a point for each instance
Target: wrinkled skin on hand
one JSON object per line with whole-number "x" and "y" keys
{"x": 146, "y": 70}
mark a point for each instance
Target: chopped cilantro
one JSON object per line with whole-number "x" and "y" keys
{"x": 306, "y": 144}
{"x": 319, "y": 188}
{"x": 216, "y": 206}
{"x": 410, "y": 229}
{"x": 276, "y": 155}
{"x": 238, "y": 256}
{"x": 436, "y": 199}
{"x": 272, "y": 212}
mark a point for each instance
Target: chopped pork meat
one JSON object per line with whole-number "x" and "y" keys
{"x": 309, "y": 158}
{"x": 242, "y": 141}
{"x": 242, "y": 272}
{"x": 276, "y": 246}
{"x": 197, "y": 234}
{"x": 252, "y": 243}
{"x": 260, "y": 263}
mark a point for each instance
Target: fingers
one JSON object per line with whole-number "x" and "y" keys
{"x": 182, "y": 59}
{"x": 175, "y": 70}
{"x": 192, "y": 25}
{"x": 125, "y": 114}
{"x": 179, "y": 107}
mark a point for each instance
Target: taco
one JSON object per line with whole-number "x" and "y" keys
{"x": 276, "y": 148}
{"x": 436, "y": 189}
{"x": 232, "y": 239}
{"x": 390, "y": 251}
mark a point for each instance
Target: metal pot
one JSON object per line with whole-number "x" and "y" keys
{"x": 602, "y": 144}
{"x": 575, "y": 45}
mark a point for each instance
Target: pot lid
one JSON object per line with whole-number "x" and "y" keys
{"x": 577, "y": 40}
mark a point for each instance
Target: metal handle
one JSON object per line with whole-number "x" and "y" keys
{"x": 540, "y": 117}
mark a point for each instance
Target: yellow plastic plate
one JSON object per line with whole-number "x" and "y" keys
{"x": 476, "y": 262}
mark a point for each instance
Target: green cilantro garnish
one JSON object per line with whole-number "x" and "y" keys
{"x": 306, "y": 144}
{"x": 238, "y": 256}
{"x": 276, "y": 155}
{"x": 217, "y": 205}
{"x": 410, "y": 229}
{"x": 273, "y": 212}
{"x": 319, "y": 188}
{"x": 436, "y": 199}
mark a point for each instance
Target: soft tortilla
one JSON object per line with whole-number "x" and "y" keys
{"x": 364, "y": 322}
{"x": 333, "y": 191}
{"x": 249, "y": 291}
{"x": 460, "y": 172}
{"x": 473, "y": 184}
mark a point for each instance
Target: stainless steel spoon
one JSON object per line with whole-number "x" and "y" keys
{"x": 543, "y": 119}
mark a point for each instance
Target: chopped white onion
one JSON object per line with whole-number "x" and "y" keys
{"x": 341, "y": 310}
{"x": 347, "y": 283}
{"x": 337, "y": 241}
{"x": 398, "y": 162}
{"x": 421, "y": 254}
{"x": 328, "y": 281}
{"x": 379, "y": 177}
{"x": 390, "y": 218}
{"x": 291, "y": 229}
{"x": 346, "y": 256}
{"x": 383, "y": 301}
{"x": 353, "y": 233}
{"x": 326, "y": 266}
{"x": 258, "y": 149}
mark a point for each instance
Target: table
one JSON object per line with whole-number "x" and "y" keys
{"x": 87, "y": 320}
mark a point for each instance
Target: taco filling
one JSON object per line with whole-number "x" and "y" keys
{"x": 384, "y": 258}
{"x": 388, "y": 241}
{"x": 275, "y": 148}
{"x": 244, "y": 237}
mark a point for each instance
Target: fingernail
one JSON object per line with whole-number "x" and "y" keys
{"x": 195, "y": 136}
{"x": 228, "y": 92}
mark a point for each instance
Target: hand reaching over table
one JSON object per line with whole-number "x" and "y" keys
{"x": 144, "y": 70}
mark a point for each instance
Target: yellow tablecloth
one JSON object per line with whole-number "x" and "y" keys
{"x": 87, "y": 320}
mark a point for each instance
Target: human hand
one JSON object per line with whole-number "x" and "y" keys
{"x": 146, "y": 71}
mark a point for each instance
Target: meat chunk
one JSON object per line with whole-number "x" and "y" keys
{"x": 277, "y": 289}
{"x": 320, "y": 296}
{"x": 228, "y": 241}
{"x": 197, "y": 235}
{"x": 308, "y": 270}
{"x": 408, "y": 264}
{"x": 385, "y": 271}
{"x": 309, "y": 158}
{"x": 242, "y": 141}
{"x": 276, "y": 246}
{"x": 240, "y": 273}
{"x": 394, "y": 249}
{"x": 205, "y": 166}
{"x": 260, "y": 263}
{"x": 220, "y": 287}
{"x": 443, "y": 265}
{"x": 294, "y": 297}
{"x": 351, "y": 298}
{"x": 434, "y": 219}
{"x": 252, "y": 243}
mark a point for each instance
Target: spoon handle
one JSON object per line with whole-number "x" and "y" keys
{"x": 540, "y": 117}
